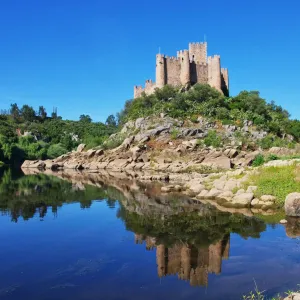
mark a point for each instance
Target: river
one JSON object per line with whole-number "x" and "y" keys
{"x": 69, "y": 238}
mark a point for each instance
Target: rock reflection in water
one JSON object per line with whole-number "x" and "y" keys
{"x": 189, "y": 239}
{"x": 190, "y": 263}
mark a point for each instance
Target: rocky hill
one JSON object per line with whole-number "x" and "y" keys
{"x": 165, "y": 144}
{"x": 203, "y": 155}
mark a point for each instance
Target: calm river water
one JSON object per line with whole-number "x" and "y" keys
{"x": 113, "y": 239}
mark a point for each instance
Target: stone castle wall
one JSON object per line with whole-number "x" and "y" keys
{"x": 198, "y": 52}
{"x": 190, "y": 263}
{"x": 189, "y": 67}
{"x": 173, "y": 68}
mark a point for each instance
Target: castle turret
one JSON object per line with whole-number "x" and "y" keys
{"x": 185, "y": 263}
{"x": 215, "y": 258}
{"x": 185, "y": 67}
{"x": 160, "y": 71}
{"x": 214, "y": 72}
{"x": 198, "y": 52}
{"x": 161, "y": 260}
{"x": 225, "y": 81}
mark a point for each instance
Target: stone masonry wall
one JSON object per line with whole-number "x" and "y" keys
{"x": 202, "y": 73}
{"x": 173, "y": 68}
{"x": 198, "y": 52}
{"x": 149, "y": 87}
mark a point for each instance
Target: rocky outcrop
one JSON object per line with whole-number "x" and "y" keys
{"x": 81, "y": 147}
{"x": 292, "y": 205}
{"x": 165, "y": 144}
{"x": 293, "y": 296}
{"x": 163, "y": 148}
{"x": 36, "y": 164}
{"x": 222, "y": 162}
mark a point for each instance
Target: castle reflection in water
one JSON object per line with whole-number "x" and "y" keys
{"x": 188, "y": 262}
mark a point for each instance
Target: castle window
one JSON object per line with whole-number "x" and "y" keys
{"x": 182, "y": 59}
{"x": 193, "y": 57}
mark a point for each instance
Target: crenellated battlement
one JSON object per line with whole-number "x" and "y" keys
{"x": 214, "y": 57}
{"x": 181, "y": 53}
{"x": 198, "y": 43}
{"x": 188, "y": 67}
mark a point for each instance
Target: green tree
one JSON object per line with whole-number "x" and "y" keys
{"x": 15, "y": 111}
{"x": 111, "y": 121}
{"x": 42, "y": 112}
{"x": 28, "y": 113}
{"x": 85, "y": 118}
{"x": 56, "y": 150}
{"x": 67, "y": 142}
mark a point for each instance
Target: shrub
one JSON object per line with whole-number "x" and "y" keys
{"x": 56, "y": 150}
{"x": 213, "y": 139}
{"x": 194, "y": 118}
{"x": 174, "y": 134}
{"x": 93, "y": 141}
{"x": 200, "y": 143}
{"x": 271, "y": 141}
{"x": 227, "y": 122}
{"x": 258, "y": 161}
{"x": 114, "y": 142}
{"x": 243, "y": 140}
{"x": 222, "y": 113}
{"x": 272, "y": 157}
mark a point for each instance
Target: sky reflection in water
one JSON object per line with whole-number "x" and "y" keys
{"x": 64, "y": 240}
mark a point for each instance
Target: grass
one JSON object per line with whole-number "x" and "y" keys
{"x": 276, "y": 181}
{"x": 286, "y": 157}
{"x": 234, "y": 191}
{"x": 201, "y": 169}
{"x": 239, "y": 176}
{"x": 214, "y": 177}
{"x": 261, "y": 159}
{"x": 136, "y": 131}
{"x": 259, "y": 295}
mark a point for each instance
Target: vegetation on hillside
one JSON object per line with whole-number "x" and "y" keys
{"x": 26, "y": 134}
{"x": 29, "y": 134}
{"x": 206, "y": 101}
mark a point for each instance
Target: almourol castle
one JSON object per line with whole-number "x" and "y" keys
{"x": 189, "y": 67}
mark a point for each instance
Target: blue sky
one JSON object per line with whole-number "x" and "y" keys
{"x": 84, "y": 57}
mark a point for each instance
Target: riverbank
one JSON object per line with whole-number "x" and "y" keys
{"x": 262, "y": 189}
{"x": 134, "y": 184}
{"x": 232, "y": 172}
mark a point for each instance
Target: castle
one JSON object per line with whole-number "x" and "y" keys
{"x": 189, "y": 67}
{"x": 187, "y": 261}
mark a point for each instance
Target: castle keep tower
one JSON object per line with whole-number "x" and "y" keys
{"x": 189, "y": 67}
